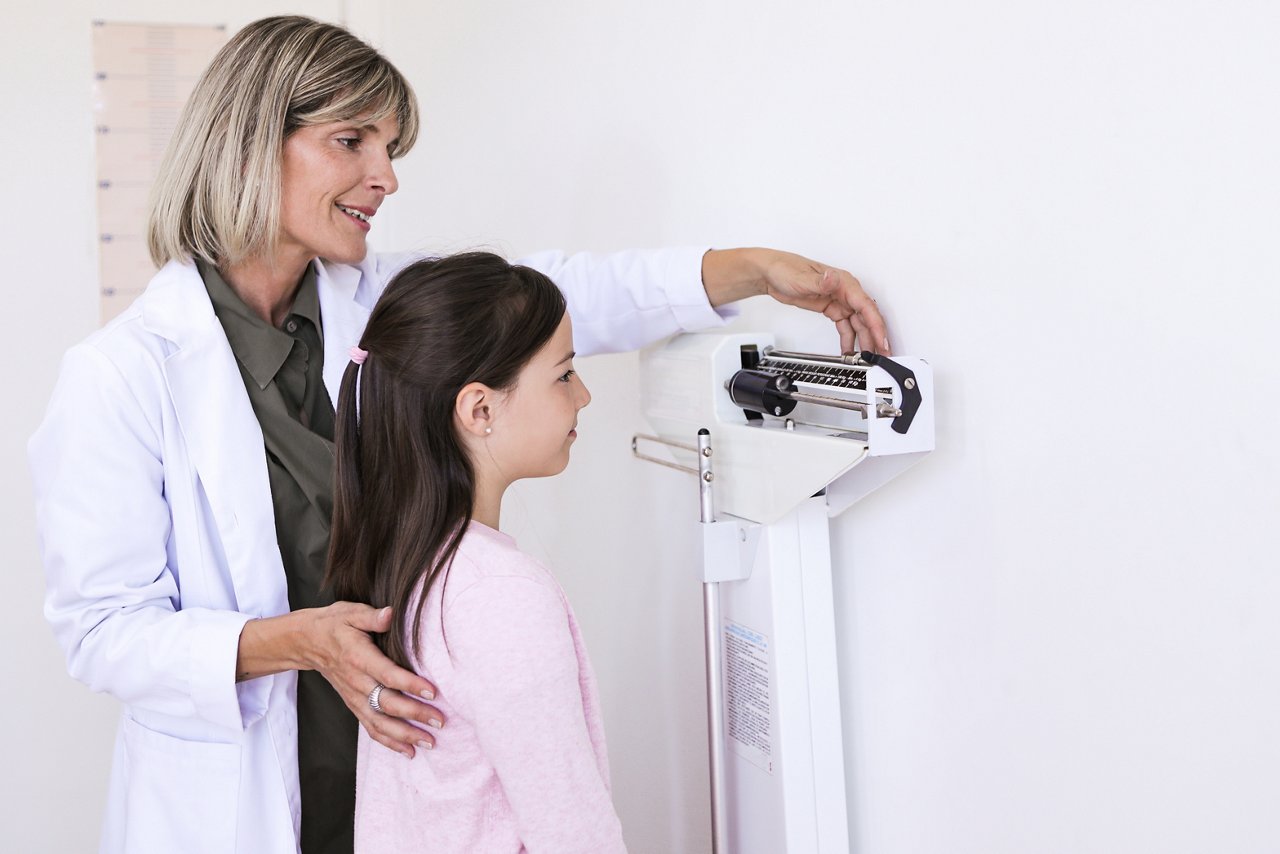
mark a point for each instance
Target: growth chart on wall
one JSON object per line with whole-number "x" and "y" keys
{"x": 142, "y": 75}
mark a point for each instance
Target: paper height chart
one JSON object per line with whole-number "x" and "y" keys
{"x": 142, "y": 76}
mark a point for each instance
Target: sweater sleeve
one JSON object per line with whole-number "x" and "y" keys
{"x": 511, "y": 645}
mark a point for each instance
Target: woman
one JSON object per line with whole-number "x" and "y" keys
{"x": 439, "y": 438}
{"x": 182, "y": 472}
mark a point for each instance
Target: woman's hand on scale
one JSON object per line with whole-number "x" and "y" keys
{"x": 733, "y": 274}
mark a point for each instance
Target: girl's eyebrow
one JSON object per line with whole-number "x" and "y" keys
{"x": 567, "y": 358}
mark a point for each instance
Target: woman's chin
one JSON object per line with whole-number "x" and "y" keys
{"x": 349, "y": 255}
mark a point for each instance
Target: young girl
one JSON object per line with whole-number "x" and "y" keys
{"x": 462, "y": 384}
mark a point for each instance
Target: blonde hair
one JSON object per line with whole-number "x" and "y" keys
{"x": 217, "y": 194}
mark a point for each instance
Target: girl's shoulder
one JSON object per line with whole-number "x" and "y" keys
{"x": 491, "y": 559}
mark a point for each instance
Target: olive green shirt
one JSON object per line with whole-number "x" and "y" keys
{"x": 283, "y": 375}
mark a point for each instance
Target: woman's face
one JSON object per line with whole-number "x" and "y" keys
{"x": 535, "y": 427}
{"x": 334, "y": 178}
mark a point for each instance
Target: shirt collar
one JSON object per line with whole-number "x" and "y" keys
{"x": 307, "y": 302}
{"x": 258, "y": 346}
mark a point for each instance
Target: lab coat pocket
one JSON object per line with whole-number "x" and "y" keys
{"x": 182, "y": 795}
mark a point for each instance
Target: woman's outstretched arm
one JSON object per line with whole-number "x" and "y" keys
{"x": 627, "y": 300}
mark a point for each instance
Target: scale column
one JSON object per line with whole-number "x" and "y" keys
{"x": 715, "y": 662}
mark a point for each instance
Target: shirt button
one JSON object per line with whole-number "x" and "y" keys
{"x": 291, "y": 326}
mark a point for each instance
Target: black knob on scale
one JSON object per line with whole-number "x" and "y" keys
{"x": 760, "y": 391}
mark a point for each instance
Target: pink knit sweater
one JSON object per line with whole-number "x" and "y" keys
{"x": 520, "y": 764}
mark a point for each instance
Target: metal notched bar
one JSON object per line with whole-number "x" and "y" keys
{"x": 852, "y": 359}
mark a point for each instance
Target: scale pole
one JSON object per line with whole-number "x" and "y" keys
{"x": 715, "y": 663}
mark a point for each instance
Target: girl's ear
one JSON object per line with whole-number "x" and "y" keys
{"x": 473, "y": 409}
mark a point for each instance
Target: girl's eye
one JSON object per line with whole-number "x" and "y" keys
{"x": 567, "y": 375}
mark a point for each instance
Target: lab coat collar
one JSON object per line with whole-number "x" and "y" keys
{"x": 177, "y": 308}
{"x": 344, "y": 311}
{"x": 177, "y": 305}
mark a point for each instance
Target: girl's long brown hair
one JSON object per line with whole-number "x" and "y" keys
{"x": 403, "y": 484}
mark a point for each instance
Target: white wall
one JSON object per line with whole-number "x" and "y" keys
{"x": 1057, "y": 632}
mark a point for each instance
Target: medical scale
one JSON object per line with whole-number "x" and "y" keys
{"x": 780, "y": 442}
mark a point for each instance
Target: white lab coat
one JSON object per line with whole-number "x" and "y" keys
{"x": 158, "y": 537}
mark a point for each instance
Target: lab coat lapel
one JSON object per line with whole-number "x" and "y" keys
{"x": 222, "y": 435}
{"x": 343, "y": 318}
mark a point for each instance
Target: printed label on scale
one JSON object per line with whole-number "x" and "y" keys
{"x": 748, "y": 708}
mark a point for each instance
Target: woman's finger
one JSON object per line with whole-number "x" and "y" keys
{"x": 384, "y": 727}
{"x": 848, "y": 335}
{"x": 384, "y": 670}
{"x": 398, "y": 705}
{"x": 396, "y": 735}
{"x": 861, "y": 333}
{"x": 873, "y": 333}
{"x": 369, "y": 667}
{"x": 378, "y": 730}
{"x": 864, "y": 316}
{"x": 395, "y": 732}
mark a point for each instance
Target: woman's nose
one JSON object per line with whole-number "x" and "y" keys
{"x": 382, "y": 175}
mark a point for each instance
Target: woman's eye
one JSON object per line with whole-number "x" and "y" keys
{"x": 352, "y": 142}
{"x": 567, "y": 375}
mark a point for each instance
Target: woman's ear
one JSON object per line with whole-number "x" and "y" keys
{"x": 473, "y": 409}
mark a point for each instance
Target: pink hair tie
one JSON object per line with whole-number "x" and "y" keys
{"x": 358, "y": 356}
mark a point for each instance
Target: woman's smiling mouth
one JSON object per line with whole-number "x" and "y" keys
{"x": 360, "y": 215}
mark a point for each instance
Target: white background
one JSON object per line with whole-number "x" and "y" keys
{"x": 1058, "y": 633}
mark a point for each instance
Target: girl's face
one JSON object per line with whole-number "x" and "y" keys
{"x": 534, "y": 427}
{"x": 333, "y": 179}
